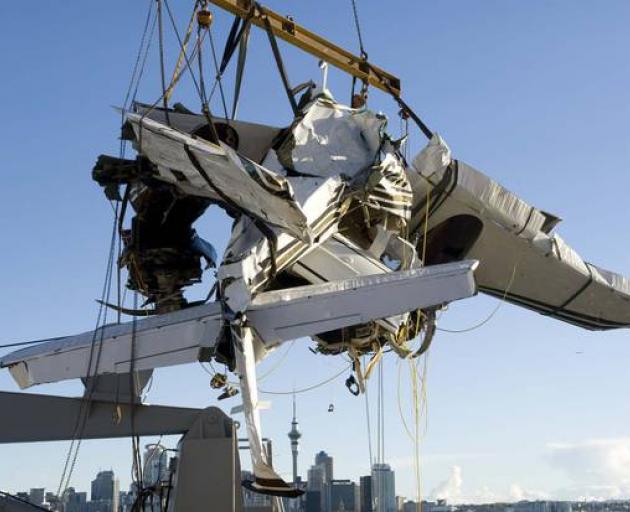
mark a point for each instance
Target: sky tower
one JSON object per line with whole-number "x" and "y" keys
{"x": 294, "y": 436}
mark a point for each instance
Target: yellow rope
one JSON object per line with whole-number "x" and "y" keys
{"x": 426, "y": 224}
{"x": 416, "y": 441}
{"x": 182, "y": 54}
{"x": 492, "y": 313}
{"x": 400, "y": 411}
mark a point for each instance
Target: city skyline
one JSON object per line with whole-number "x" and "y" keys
{"x": 340, "y": 495}
{"x": 519, "y": 407}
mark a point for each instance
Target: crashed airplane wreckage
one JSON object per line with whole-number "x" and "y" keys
{"x": 328, "y": 217}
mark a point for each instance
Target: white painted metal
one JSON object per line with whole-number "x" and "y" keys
{"x": 179, "y": 337}
{"x": 260, "y": 192}
{"x": 307, "y": 310}
{"x": 520, "y": 258}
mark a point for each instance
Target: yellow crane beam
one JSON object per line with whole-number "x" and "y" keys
{"x": 285, "y": 28}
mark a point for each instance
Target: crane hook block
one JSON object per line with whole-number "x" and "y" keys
{"x": 204, "y": 18}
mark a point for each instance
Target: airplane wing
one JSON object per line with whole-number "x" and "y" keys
{"x": 201, "y": 168}
{"x": 190, "y": 334}
{"x": 521, "y": 259}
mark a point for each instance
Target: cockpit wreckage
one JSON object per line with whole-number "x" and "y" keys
{"x": 329, "y": 217}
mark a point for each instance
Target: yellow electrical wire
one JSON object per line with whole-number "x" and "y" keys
{"x": 426, "y": 224}
{"x": 492, "y": 313}
{"x": 416, "y": 441}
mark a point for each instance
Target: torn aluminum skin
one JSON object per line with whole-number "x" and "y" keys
{"x": 521, "y": 258}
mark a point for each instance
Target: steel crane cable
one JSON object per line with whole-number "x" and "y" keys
{"x": 308, "y": 388}
{"x": 134, "y": 84}
{"x": 368, "y": 424}
{"x": 137, "y": 74}
{"x": 176, "y": 79}
{"x": 161, "y": 53}
{"x": 296, "y": 391}
{"x": 81, "y": 421}
{"x": 218, "y": 78}
{"x": 278, "y": 363}
{"x": 137, "y": 475}
{"x": 183, "y": 49}
{"x": 357, "y": 25}
{"x": 138, "y": 66}
{"x": 144, "y": 58}
{"x": 91, "y": 377}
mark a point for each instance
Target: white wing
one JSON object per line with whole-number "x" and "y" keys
{"x": 472, "y": 216}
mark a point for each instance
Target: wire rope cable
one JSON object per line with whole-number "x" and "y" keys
{"x": 218, "y": 77}
{"x": 92, "y": 369}
{"x": 494, "y": 311}
{"x": 357, "y": 25}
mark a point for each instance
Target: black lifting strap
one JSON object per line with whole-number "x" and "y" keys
{"x": 280, "y": 64}
{"x": 401, "y": 103}
{"x": 406, "y": 108}
{"x": 240, "y": 68}
{"x": 233, "y": 40}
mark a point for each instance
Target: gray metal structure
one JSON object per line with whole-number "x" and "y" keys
{"x": 207, "y": 471}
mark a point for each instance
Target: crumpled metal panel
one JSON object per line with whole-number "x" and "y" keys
{"x": 230, "y": 178}
{"x": 332, "y": 140}
{"x": 521, "y": 260}
{"x": 294, "y": 312}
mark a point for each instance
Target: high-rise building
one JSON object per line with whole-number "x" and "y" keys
{"x": 365, "y": 494}
{"x": 155, "y": 465}
{"x": 52, "y": 499}
{"x": 383, "y": 488}
{"x": 315, "y": 479}
{"x": 105, "y": 491}
{"x": 412, "y": 506}
{"x": 36, "y": 495}
{"x": 342, "y": 496}
{"x": 324, "y": 473}
{"x": 294, "y": 436}
{"x": 326, "y": 461}
{"x": 316, "y": 483}
{"x": 313, "y": 501}
{"x": 74, "y": 501}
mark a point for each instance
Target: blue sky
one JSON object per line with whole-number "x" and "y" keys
{"x": 533, "y": 93}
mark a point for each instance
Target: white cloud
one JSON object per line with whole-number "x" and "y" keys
{"x": 453, "y": 491}
{"x": 597, "y": 468}
{"x": 517, "y": 493}
{"x": 451, "y": 488}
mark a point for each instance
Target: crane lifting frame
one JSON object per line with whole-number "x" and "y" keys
{"x": 285, "y": 28}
